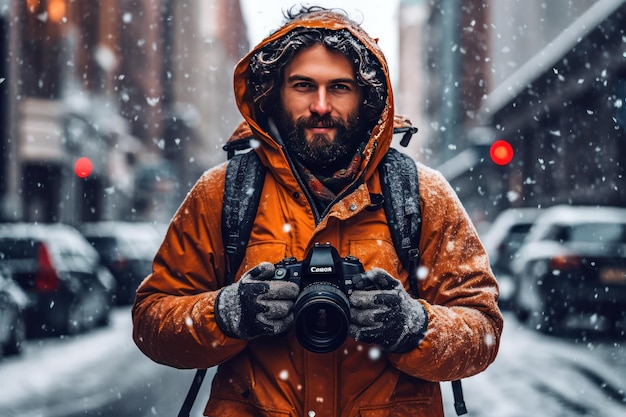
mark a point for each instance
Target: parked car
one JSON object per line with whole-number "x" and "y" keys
{"x": 502, "y": 240}
{"x": 69, "y": 289}
{"x": 127, "y": 249}
{"x": 572, "y": 270}
{"x": 13, "y": 304}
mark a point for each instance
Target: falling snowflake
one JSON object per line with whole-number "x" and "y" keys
{"x": 152, "y": 101}
{"x": 374, "y": 353}
{"x": 422, "y": 272}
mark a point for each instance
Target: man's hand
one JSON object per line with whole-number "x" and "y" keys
{"x": 387, "y": 315}
{"x": 256, "y": 305}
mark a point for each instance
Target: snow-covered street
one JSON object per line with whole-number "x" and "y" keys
{"x": 102, "y": 373}
{"x": 538, "y": 375}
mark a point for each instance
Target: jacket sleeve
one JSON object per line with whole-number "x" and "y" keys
{"x": 173, "y": 314}
{"x": 457, "y": 288}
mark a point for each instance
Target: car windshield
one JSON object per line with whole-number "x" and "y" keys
{"x": 132, "y": 246}
{"x": 518, "y": 233}
{"x": 17, "y": 249}
{"x": 592, "y": 232}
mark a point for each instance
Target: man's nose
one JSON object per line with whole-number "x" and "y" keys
{"x": 321, "y": 105}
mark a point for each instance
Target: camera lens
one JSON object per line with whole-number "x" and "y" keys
{"x": 322, "y": 317}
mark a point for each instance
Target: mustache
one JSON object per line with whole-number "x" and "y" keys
{"x": 317, "y": 121}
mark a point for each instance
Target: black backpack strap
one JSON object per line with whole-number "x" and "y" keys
{"x": 242, "y": 192}
{"x": 192, "y": 393}
{"x": 400, "y": 184}
{"x": 399, "y": 181}
{"x": 459, "y": 402}
{"x": 237, "y": 145}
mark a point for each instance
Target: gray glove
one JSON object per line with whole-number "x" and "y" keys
{"x": 386, "y": 315}
{"x": 256, "y": 305}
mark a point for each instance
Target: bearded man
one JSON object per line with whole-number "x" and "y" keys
{"x": 317, "y": 97}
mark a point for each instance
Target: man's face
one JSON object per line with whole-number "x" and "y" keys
{"x": 320, "y": 102}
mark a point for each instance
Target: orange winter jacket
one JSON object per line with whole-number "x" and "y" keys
{"x": 173, "y": 314}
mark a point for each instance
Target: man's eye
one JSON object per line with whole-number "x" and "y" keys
{"x": 341, "y": 87}
{"x": 303, "y": 85}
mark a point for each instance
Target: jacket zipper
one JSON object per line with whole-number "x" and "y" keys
{"x": 317, "y": 218}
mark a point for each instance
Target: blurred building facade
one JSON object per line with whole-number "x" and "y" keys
{"x": 547, "y": 77}
{"x": 562, "y": 110}
{"x": 140, "y": 87}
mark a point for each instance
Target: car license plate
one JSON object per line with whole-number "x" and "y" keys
{"x": 613, "y": 275}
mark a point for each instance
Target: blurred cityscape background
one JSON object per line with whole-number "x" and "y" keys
{"x": 142, "y": 88}
{"x": 110, "y": 110}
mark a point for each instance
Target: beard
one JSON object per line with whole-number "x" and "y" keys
{"x": 322, "y": 153}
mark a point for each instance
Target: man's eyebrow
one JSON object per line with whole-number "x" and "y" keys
{"x": 297, "y": 77}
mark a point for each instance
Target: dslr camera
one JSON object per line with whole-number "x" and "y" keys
{"x": 322, "y": 309}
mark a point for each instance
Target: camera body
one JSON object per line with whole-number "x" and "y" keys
{"x": 322, "y": 309}
{"x": 322, "y": 265}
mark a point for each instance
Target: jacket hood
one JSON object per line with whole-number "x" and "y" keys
{"x": 269, "y": 149}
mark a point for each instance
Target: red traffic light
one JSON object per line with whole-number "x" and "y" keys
{"x": 83, "y": 167}
{"x": 501, "y": 152}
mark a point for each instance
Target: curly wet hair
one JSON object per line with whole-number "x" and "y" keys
{"x": 268, "y": 64}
